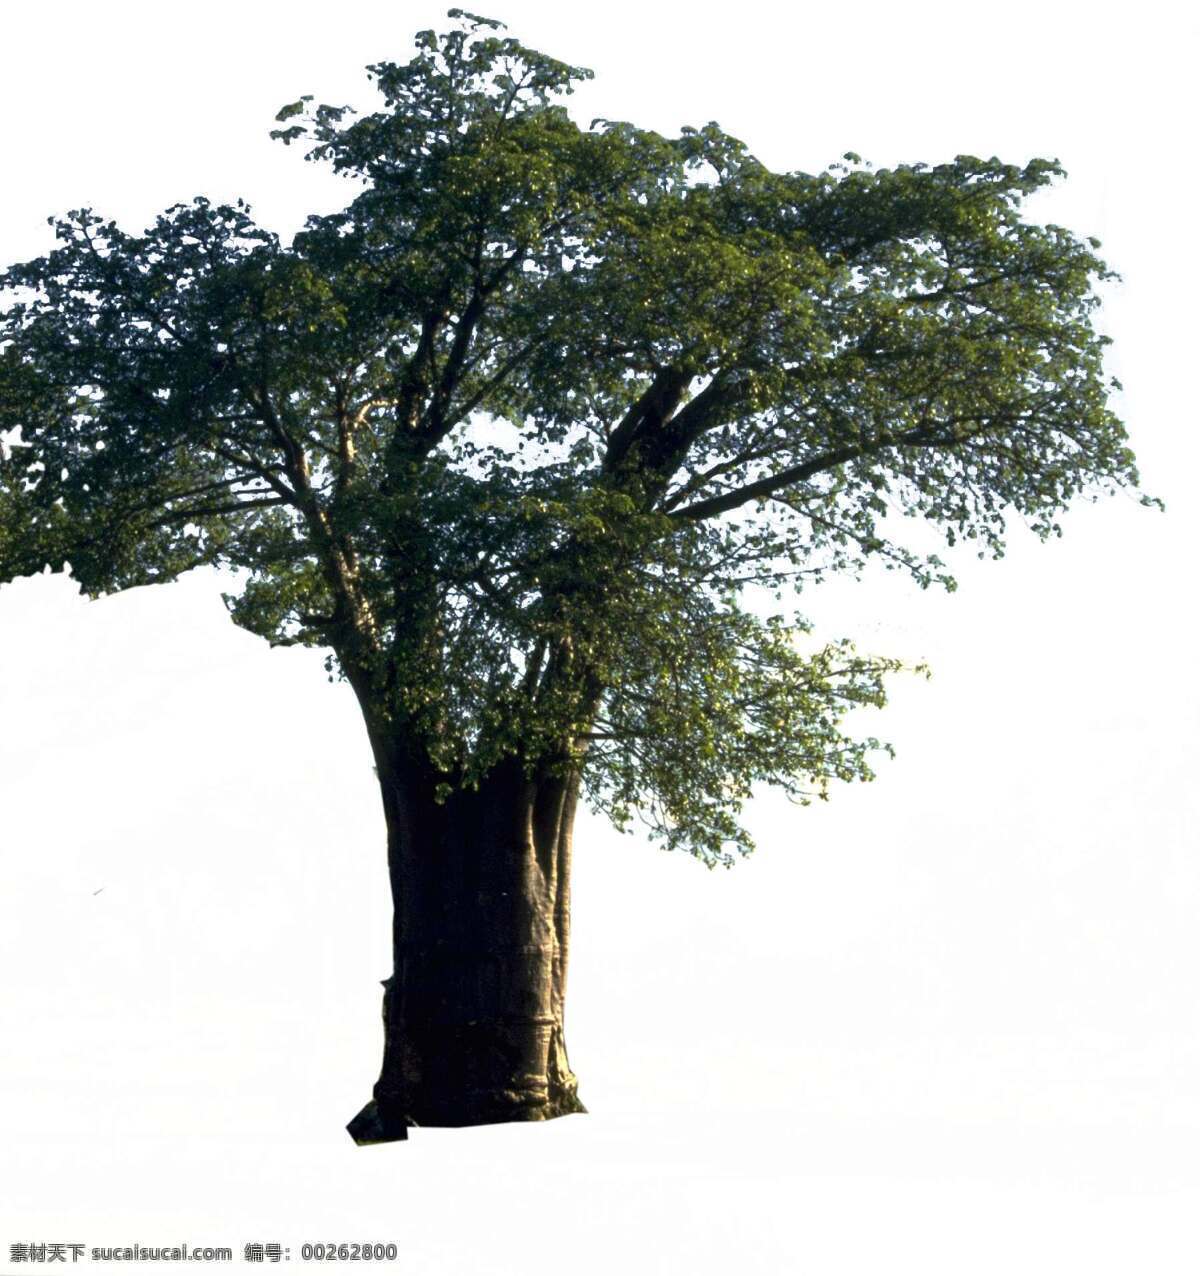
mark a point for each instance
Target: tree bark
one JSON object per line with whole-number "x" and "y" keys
{"x": 473, "y": 1009}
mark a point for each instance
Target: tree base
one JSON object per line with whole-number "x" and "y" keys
{"x": 372, "y": 1125}
{"x": 368, "y": 1126}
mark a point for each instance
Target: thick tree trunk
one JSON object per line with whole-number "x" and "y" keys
{"x": 473, "y": 1010}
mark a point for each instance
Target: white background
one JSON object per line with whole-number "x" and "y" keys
{"x": 946, "y": 1024}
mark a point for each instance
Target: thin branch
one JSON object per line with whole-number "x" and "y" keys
{"x": 266, "y": 473}
{"x": 494, "y": 382}
{"x": 772, "y": 483}
{"x": 209, "y": 511}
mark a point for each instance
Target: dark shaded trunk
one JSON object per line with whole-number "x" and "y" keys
{"x": 473, "y": 1010}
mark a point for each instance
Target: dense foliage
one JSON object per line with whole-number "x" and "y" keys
{"x": 513, "y": 434}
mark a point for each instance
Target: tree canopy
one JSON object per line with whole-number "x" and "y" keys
{"x": 520, "y": 434}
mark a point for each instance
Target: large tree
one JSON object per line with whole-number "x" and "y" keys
{"x": 536, "y": 439}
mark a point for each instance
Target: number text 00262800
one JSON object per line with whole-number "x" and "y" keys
{"x": 364, "y": 1252}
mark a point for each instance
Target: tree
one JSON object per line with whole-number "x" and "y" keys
{"x": 536, "y": 439}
